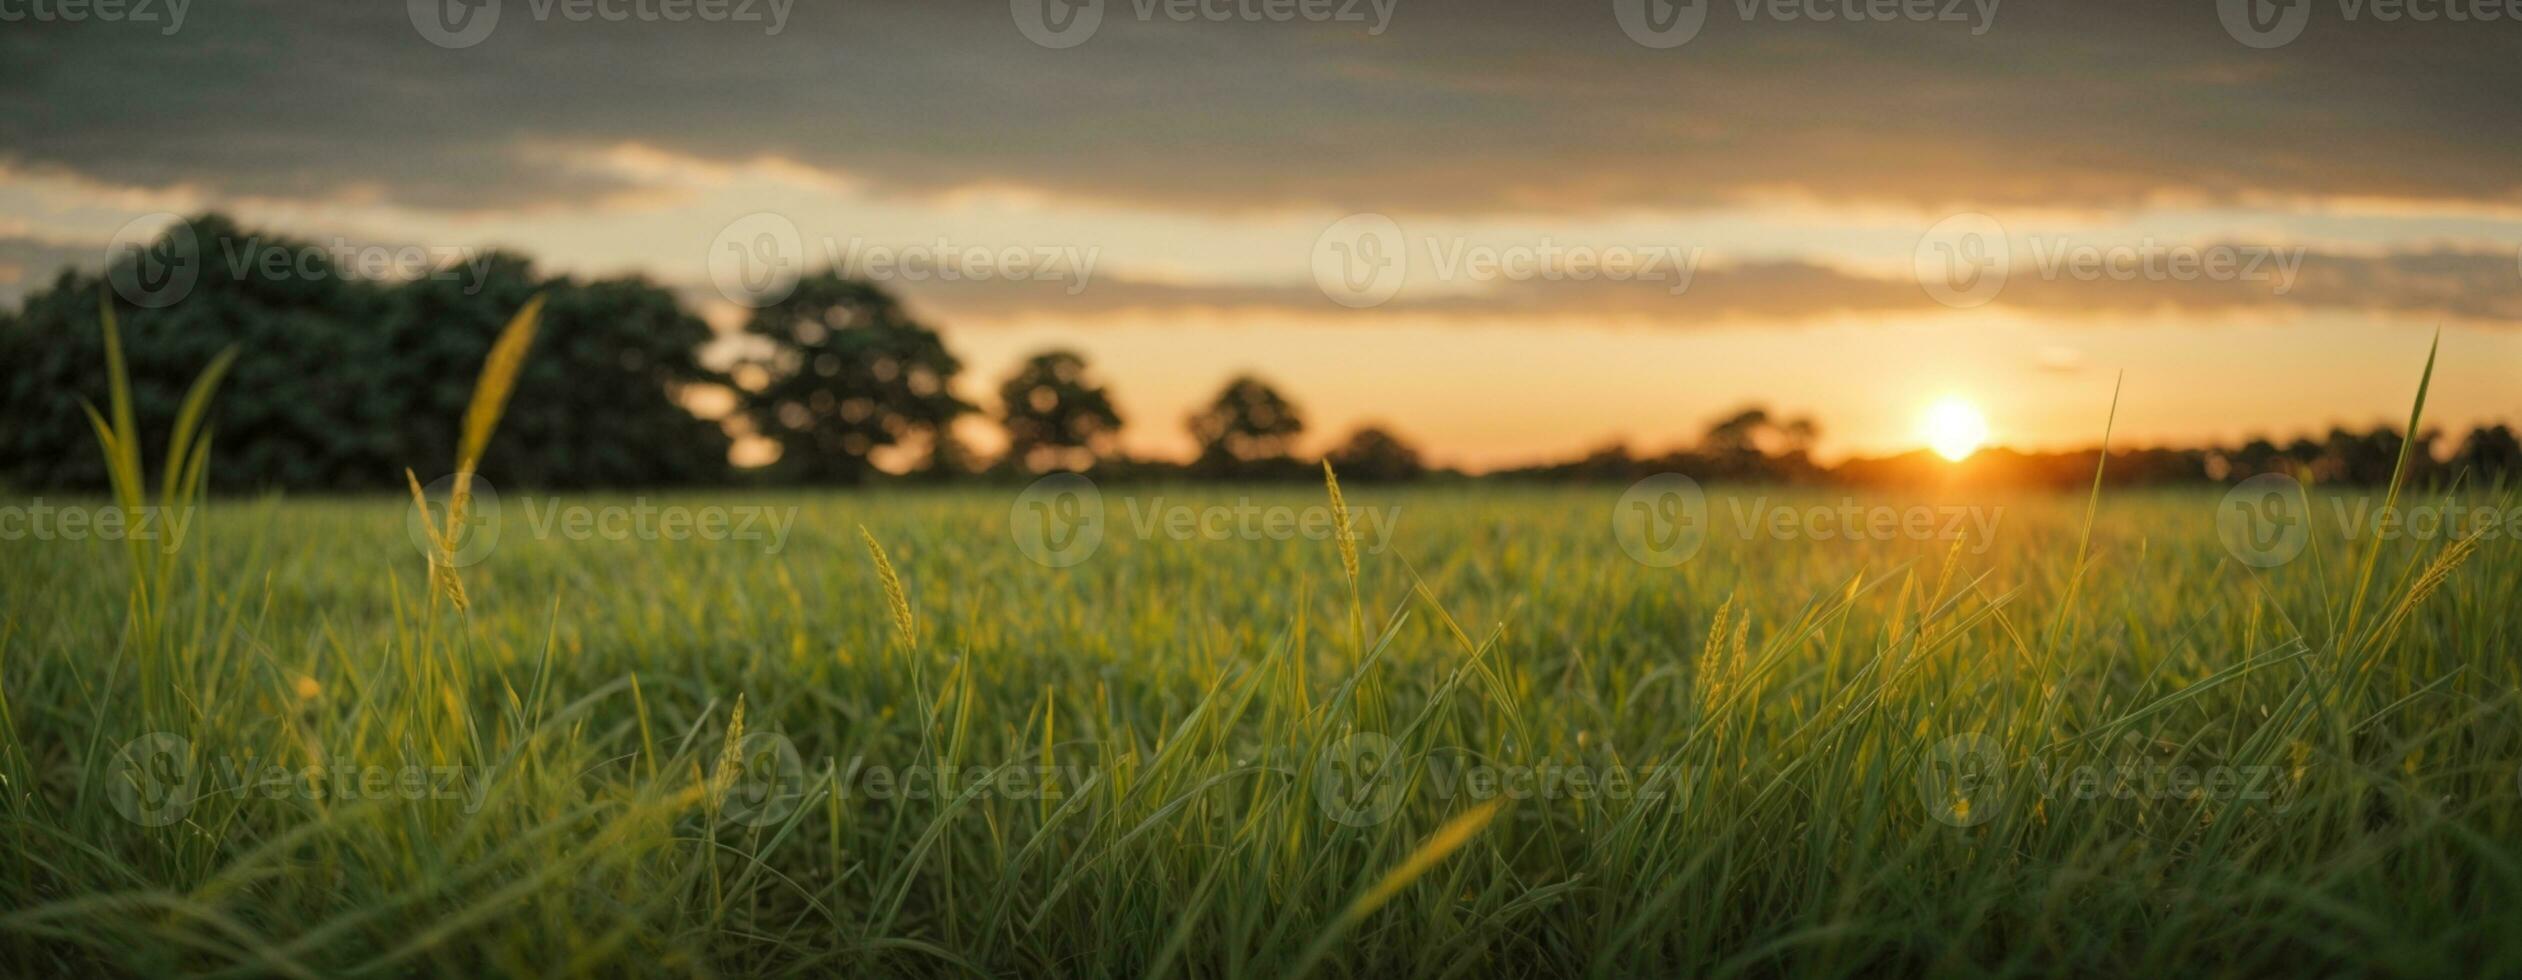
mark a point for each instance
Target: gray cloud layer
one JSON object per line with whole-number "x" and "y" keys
{"x": 2480, "y": 287}
{"x": 1454, "y": 108}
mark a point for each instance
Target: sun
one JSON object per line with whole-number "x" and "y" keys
{"x": 1954, "y": 428}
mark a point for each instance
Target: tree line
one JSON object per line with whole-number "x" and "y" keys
{"x": 345, "y": 380}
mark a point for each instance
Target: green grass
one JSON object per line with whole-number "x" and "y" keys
{"x": 1199, "y": 689}
{"x": 1491, "y": 741}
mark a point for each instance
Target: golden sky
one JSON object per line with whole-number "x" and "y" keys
{"x": 1509, "y": 231}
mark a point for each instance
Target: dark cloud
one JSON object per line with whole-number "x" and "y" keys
{"x": 1454, "y": 108}
{"x": 2480, "y": 287}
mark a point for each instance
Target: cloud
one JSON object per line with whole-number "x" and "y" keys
{"x": 2474, "y": 286}
{"x": 1477, "y": 108}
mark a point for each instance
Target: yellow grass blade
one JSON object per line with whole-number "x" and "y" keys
{"x": 188, "y": 420}
{"x": 498, "y": 380}
{"x": 895, "y": 598}
{"x": 1340, "y": 519}
{"x": 1446, "y": 840}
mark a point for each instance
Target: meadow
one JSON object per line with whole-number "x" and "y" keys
{"x": 1515, "y": 731}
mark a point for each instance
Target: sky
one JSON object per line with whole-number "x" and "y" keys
{"x": 1509, "y": 231}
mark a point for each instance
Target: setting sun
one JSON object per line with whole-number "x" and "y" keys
{"x": 1954, "y": 428}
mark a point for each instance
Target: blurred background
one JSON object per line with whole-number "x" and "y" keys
{"x": 824, "y": 245}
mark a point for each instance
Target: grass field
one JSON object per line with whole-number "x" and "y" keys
{"x": 1506, "y": 746}
{"x": 1464, "y": 730}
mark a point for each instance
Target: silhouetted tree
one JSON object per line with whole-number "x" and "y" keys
{"x": 342, "y": 382}
{"x": 598, "y": 402}
{"x": 1373, "y": 454}
{"x": 1800, "y": 432}
{"x": 2489, "y": 452}
{"x": 1738, "y": 433}
{"x": 1055, "y": 415}
{"x": 1249, "y": 423}
{"x": 845, "y": 372}
{"x": 301, "y": 408}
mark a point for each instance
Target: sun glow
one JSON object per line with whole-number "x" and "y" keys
{"x": 1954, "y": 428}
